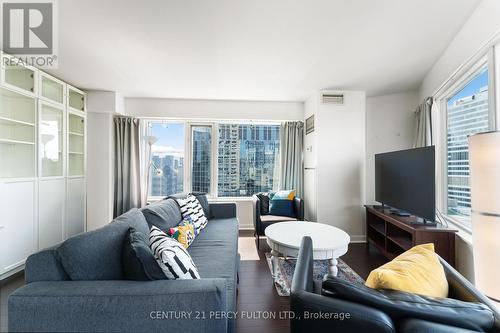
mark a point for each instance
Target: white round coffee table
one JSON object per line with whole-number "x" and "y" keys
{"x": 329, "y": 242}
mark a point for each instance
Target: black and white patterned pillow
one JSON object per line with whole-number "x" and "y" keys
{"x": 191, "y": 207}
{"x": 172, "y": 257}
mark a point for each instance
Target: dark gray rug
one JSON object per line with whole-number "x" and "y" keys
{"x": 286, "y": 267}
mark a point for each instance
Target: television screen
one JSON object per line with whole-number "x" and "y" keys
{"x": 405, "y": 180}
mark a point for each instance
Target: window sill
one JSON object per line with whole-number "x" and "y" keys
{"x": 463, "y": 232}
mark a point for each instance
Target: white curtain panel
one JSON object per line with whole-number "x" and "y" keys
{"x": 423, "y": 131}
{"x": 292, "y": 149}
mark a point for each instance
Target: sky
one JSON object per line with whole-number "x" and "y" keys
{"x": 472, "y": 87}
{"x": 169, "y": 135}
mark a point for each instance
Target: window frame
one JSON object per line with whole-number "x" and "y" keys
{"x": 484, "y": 60}
{"x": 188, "y": 151}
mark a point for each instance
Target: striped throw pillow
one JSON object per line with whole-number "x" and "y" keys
{"x": 172, "y": 257}
{"x": 191, "y": 207}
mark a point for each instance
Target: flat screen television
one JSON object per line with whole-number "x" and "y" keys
{"x": 405, "y": 180}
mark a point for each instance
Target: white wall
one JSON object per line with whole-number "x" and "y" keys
{"x": 100, "y": 184}
{"x": 213, "y": 109}
{"x": 478, "y": 30}
{"x": 339, "y": 150}
{"x": 390, "y": 125}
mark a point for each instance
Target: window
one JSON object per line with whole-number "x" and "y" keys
{"x": 201, "y": 142}
{"x": 166, "y": 170}
{"x": 248, "y": 159}
{"x": 467, "y": 113}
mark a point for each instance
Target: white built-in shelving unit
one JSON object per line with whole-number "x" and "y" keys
{"x": 42, "y": 162}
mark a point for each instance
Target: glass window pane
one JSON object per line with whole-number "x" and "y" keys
{"x": 467, "y": 113}
{"x": 202, "y": 150}
{"x": 248, "y": 159}
{"x": 51, "y": 141}
{"x": 166, "y": 170}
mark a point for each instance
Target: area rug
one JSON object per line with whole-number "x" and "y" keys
{"x": 286, "y": 267}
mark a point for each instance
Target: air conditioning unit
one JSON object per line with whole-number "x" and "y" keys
{"x": 332, "y": 98}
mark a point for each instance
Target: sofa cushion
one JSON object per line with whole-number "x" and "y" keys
{"x": 184, "y": 233}
{"x": 164, "y": 214}
{"x": 417, "y": 270}
{"x": 191, "y": 208}
{"x": 399, "y": 305}
{"x": 138, "y": 261}
{"x": 215, "y": 254}
{"x": 276, "y": 218}
{"x": 202, "y": 198}
{"x": 97, "y": 254}
{"x": 173, "y": 258}
{"x": 282, "y": 203}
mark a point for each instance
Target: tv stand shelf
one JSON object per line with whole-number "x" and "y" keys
{"x": 392, "y": 234}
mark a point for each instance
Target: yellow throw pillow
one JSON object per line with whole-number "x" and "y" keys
{"x": 417, "y": 271}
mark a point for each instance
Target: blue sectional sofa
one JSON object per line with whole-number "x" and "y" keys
{"x": 79, "y": 285}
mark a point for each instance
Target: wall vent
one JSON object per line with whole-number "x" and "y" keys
{"x": 332, "y": 98}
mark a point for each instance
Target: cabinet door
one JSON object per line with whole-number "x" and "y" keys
{"x": 17, "y": 223}
{"x": 52, "y": 196}
{"x": 76, "y": 145}
{"x": 17, "y": 135}
{"x": 51, "y": 140}
{"x": 52, "y": 89}
{"x": 17, "y": 76}
{"x": 76, "y": 206}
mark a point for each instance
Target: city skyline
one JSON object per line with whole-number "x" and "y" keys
{"x": 468, "y": 113}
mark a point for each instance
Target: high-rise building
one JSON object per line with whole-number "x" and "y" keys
{"x": 466, "y": 116}
{"x": 248, "y": 159}
{"x": 172, "y": 179}
{"x": 201, "y": 159}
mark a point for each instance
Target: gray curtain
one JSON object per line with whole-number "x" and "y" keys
{"x": 127, "y": 165}
{"x": 423, "y": 131}
{"x": 292, "y": 146}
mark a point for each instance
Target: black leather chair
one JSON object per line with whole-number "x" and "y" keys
{"x": 369, "y": 310}
{"x": 261, "y": 222}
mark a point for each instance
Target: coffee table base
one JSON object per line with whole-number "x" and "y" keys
{"x": 332, "y": 265}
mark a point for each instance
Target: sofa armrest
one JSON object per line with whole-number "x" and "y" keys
{"x": 222, "y": 210}
{"x": 460, "y": 288}
{"x": 299, "y": 208}
{"x": 119, "y": 306}
{"x": 344, "y": 316}
{"x": 44, "y": 266}
{"x": 256, "y": 220}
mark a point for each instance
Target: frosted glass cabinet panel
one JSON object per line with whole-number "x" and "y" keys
{"x": 76, "y": 99}
{"x": 17, "y": 135}
{"x": 76, "y": 145}
{"x": 51, "y": 140}
{"x": 17, "y": 76}
{"x": 52, "y": 89}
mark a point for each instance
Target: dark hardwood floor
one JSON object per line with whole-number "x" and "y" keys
{"x": 257, "y": 294}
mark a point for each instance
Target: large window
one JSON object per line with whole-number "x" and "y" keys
{"x": 166, "y": 170}
{"x": 248, "y": 159}
{"x": 242, "y": 158}
{"x": 467, "y": 113}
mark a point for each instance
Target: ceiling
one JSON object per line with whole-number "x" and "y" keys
{"x": 253, "y": 50}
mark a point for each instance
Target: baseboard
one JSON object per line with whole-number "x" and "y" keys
{"x": 358, "y": 239}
